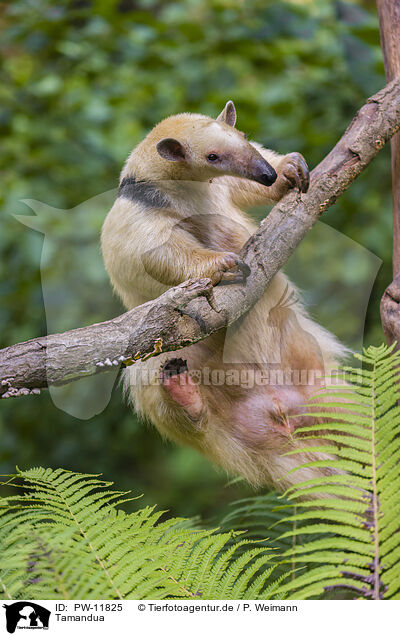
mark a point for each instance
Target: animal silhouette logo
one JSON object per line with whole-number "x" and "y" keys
{"x": 26, "y": 615}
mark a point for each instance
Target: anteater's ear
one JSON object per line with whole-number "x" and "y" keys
{"x": 171, "y": 149}
{"x": 228, "y": 115}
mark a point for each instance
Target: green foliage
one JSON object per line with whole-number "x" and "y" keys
{"x": 354, "y": 508}
{"x": 65, "y": 537}
{"x": 83, "y": 82}
{"x": 254, "y": 515}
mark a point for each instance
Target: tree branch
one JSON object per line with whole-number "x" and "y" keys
{"x": 191, "y": 311}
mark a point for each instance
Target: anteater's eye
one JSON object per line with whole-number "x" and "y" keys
{"x": 212, "y": 157}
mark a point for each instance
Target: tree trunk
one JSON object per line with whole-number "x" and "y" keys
{"x": 389, "y": 23}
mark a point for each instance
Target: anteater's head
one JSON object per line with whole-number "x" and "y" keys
{"x": 199, "y": 148}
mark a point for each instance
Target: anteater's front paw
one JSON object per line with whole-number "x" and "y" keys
{"x": 294, "y": 171}
{"x": 229, "y": 268}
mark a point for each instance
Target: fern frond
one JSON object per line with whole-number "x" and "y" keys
{"x": 65, "y": 537}
{"x": 357, "y": 506}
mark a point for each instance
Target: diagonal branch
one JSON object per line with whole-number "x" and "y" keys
{"x": 191, "y": 311}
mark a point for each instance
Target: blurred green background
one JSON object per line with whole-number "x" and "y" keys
{"x": 81, "y": 83}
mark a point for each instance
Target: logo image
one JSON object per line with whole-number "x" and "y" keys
{"x": 26, "y": 615}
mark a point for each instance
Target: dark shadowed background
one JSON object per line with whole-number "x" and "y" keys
{"x": 81, "y": 83}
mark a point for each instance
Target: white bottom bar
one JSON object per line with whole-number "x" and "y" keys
{"x": 101, "y": 617}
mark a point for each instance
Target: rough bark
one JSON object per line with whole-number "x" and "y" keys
{"x": 390, "y": 311}
{"x": 190, "y": 312}
{"x": 389, "y": 22}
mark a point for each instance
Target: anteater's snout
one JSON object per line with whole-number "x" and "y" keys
{"x": 263, "y": 172}
{"x": 268, "y": 178}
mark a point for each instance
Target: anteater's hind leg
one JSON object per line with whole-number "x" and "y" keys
{"x": 181, "y": 388}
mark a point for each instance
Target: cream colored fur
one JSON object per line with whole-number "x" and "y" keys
{"x": 148, "y": 250}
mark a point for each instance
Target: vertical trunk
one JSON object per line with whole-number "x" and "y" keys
{"x": 389, "y": 23}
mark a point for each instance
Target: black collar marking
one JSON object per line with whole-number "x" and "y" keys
{"x": 143, "y": 192}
